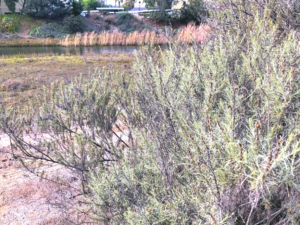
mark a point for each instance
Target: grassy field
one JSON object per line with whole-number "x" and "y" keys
{"x": 23, "y": 77}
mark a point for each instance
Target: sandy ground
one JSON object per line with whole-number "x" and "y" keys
{"x": 26, "y": 199}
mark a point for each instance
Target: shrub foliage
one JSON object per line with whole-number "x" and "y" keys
{"x": 212, "y": 131}
{"x": 74, "y": 24}
{"x": 9, "y": 25}
{"x": 219, "y": 141}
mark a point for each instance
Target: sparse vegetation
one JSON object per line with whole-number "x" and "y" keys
{"x": 22, "y": 78}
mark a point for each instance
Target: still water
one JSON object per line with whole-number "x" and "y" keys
{"x": 58, "y": 50}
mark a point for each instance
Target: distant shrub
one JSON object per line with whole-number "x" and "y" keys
{"x": 127, "y": 22}
{"x": 48, "y": 30}
{"x": 9, "y": 25}
{"x": 35, "y": 31}
{"x": 124, "y": 27}
{"x": 97, "y": 17}
{"x": 106, "y": 26}
{"x": 110, "y": 19}
{"x": 74, "y": 24}
{"x": 124, "y": 18}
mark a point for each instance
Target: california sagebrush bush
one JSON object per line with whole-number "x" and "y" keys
{"x": 284, "y": 13}
{"x": 218, "y": 141}
{"x": 213, "y": 132}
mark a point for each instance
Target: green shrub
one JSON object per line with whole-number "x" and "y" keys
{"x": 74, "y": 24}
{"x": 110, "y": 19}
{"x": 9, "y": 25}
{"x": 124, "y": 27}
{"x": 284, "y": 13}
{"x": 218, "y": 141}
{"x": 210, "y": 134}
{"x": 126, "y": 22}
{"x": 48, "y": 30}
{"x": 124, "y": 18}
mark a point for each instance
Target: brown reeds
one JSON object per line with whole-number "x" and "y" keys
{"x": 190, "y": 33}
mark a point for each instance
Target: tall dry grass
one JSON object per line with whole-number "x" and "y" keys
{"x": 190, "y": 33}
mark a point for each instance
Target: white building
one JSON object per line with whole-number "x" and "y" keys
{"x": 115, "y": 3}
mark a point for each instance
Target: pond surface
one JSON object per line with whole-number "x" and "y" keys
{"x": 59, "y": 50}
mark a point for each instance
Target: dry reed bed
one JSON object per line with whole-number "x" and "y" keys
{"x": 186, "y": 34}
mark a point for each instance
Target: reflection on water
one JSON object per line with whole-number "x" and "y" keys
{"x": 58, "y": 50}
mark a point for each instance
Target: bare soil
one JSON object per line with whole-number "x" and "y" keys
{"x": 27, "y": 199}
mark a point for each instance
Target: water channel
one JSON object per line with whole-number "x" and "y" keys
{"x": 58, "y": 50}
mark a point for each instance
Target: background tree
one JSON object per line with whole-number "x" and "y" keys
{"x": 47, "y": 9}
{"x": 77, "y": 8}
{"x": 90, "y": 4}
{"x": 161, "y": 15}
{"x": 194, "y": 11}
{"x": 11, "y": 5}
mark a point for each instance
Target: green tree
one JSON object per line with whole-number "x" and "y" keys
{"x": 47, "y": 8}
{"x": 161, "y": 5}
{"x": 89, "y": 4}
{"x": 77, "y": 8}
{"x": 74, "y": 24}
{"x": 194, "y": 11}
{"x": 11, "y": 5}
